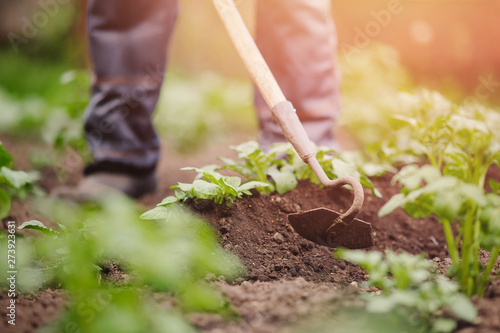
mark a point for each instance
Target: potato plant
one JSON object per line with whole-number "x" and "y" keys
{"x": 461, "y": 144}
{"x": 12, "y": 183}
{"x": 281, "y": 167}
{"x": 208, "y": 185}
{"x": 476, "y": 215}
{"x": 412, "y": 287}
{"x": 277, "y": 170}
{"x": 168, "y": 256}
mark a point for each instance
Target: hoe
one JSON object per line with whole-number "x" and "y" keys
{"x": 321, "y": 225}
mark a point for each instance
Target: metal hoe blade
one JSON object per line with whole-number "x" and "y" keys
{"x": 324, "y": 226}
{"x": 330, "y": 228}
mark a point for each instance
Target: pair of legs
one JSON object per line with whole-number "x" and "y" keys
{"x": 129, "y": 46}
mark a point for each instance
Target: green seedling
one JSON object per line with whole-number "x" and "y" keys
{"x": 461, "y": 143}
{"x": 281, "y": 167}
{"x": 456, "y": 203}
{"x": 209, "y": 185}
{"x": 270, "y": 168}
{"x": 277, "y": 170}
{"x": 12, "y": 183}
{"x": 169, "y": 257}
{"x": 411, "y": 286}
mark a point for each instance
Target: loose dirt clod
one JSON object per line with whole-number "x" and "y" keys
{"x": 278, "y": 238}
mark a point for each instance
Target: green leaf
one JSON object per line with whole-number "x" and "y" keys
{"x": 184, "y": 187}
{"x": 494, "y": 185}
{"x": 367, "y": 183}
{"x": 251, "y": 185}
{"x": 246, "y": 149}
{"x": 5, "y": 204}
{"x": 284, "y": 178}
{"x": 168, "y": 200}
{"x": 412, "y": 176}
{"x": 381, "y": 304}
{"x": 202, "y": 297}
{"x": 206, "y": 188}
{"x": 447, "y": 206}
{"x": 230, "y": 186}
{"x": 208, "y": 171}
{"x": 5, "y": 157}
{"x": 180, "y": 195}
{"x": 463, "y": 308}
{"x": 234, "y": 182}
{"x": 395, "y": 202}
{"x": 227, "y": 161}
{"x": 443, "y": 325}
{"x": 342, "y": 169}
{"x": 157, "y": 213}
{"x": 16, "y": 179}
{"x": 37, "y": 225}
{"x": 367, "y": 260}
{"x": 398, "y": 122}
{"x": 419, "y": 206}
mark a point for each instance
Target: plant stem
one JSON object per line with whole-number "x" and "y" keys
{"x": 486, "y": 274}
{"x": 475, "y": 252}
{"x": 452, "y": 246}
{"x": 467, "y": 251}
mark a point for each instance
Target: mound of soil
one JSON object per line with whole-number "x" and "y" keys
{"x": 32, "y": 311}
{"x": 257, "y": 229}
{"x": 289, "y": 277}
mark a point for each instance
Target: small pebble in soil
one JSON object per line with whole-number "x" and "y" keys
{"x": 278, "y": 238}
{"x": 285, "y": 205}
{"x": 353, "y": 287}
{"x": 246, "y": 284}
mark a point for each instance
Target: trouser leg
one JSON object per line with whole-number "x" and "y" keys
{"x": 298, "y": 40}
{"x": 128, "y": 47}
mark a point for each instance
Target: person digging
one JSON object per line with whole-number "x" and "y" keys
{"x": 129, "y": 43}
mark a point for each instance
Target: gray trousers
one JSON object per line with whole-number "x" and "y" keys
{"x": 129, "y": 46}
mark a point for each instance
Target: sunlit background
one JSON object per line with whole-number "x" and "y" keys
{"x": 418, "y": 61}
{"x": 384, "y": 47}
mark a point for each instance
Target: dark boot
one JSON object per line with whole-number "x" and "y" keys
{"x": 128, "y": 47}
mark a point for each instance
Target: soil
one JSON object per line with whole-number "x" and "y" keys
{"x": 32, "y": 310}
{"x": 257, "y": 229}
{"x": 289, "y": 278}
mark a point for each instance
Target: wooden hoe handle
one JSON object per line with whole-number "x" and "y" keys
{"x": 283, "y": 111}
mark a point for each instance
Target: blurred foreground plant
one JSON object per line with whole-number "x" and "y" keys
{"x": 170, "y": 256}
{"x": 412, "y": 287}
{"x": 12, "y": 183}
{"x": 456, "y": 203}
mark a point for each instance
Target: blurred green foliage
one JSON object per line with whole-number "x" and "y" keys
{"x": 412, "y": 287}
{"x": 195, "y": 109}
{"x": 13, "y": 184}
{"x": 370, "y": 81}
{"x": 171, "y": 256}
